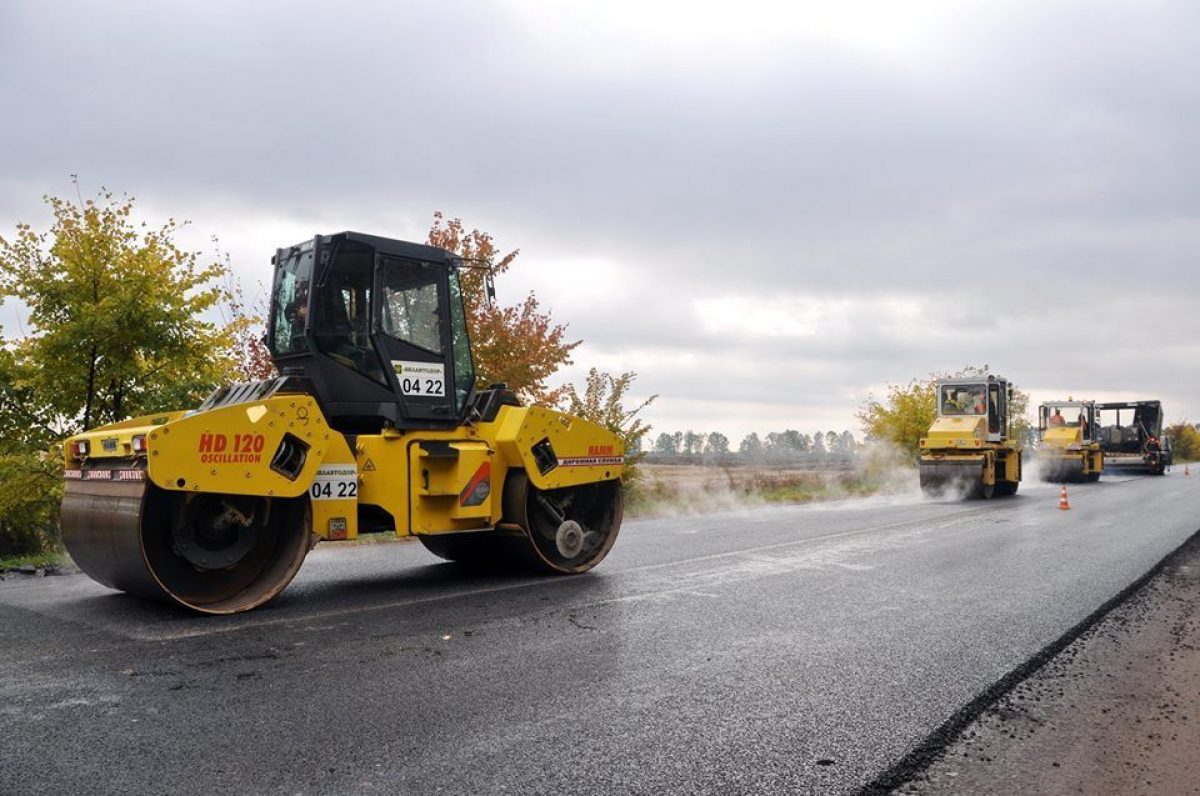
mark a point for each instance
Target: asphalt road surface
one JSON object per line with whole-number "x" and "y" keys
{"x": 778, "y": 650}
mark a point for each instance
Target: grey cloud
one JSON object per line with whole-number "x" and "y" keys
{"x": 1031, "y": 179}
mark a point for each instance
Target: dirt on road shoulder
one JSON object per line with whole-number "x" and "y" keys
{"x": 1116, "y": 712}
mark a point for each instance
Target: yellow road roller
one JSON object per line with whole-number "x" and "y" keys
{"x": 1069, "y": 449}
{"x": 967, "y": 451}
{"x": 374, "y": 425}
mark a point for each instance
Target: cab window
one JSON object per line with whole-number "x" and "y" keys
{"x": 342, "y": 313}
{"x": 289, "y": 304}
{"x": 464, "y": 368}
{"x": 411, "y": 307}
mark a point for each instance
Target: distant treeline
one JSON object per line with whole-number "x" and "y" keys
{"x": 778, "y": 446}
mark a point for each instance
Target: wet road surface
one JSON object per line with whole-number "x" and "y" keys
{"x": 775, "y": 650}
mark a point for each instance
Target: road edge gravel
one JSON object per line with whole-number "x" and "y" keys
{"x": 928, "y": 751}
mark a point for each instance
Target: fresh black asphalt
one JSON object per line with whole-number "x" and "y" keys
{"x": 770, "y": 650}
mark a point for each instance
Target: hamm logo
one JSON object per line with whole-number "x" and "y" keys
{"x": 600, "y": 450}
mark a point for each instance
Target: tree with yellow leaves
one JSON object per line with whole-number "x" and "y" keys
{"x": 117, "y": 313}
{"x": 116, "y": 327}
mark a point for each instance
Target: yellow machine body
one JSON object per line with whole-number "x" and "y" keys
{"x": 957, "y": 447}
{"x": 966, "y": 452}
{"x": 1066, "y": 453}
{"x": 427, "y": 482}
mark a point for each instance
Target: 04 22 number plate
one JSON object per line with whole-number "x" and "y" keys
{"x": 335, "y": 482}
{"x": 421, "y": 378}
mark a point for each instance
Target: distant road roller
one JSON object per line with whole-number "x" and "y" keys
{"x": 967, "y": 452}
{"x": 1070, "y": 448}
{"x": 373, "y": 425}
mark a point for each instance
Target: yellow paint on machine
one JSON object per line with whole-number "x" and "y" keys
{"x": 1063, "y": 445}
{"x": 963, "y": 440}
{"x": 419, "y": 478}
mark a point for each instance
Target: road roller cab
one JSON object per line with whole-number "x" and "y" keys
{"x": 377, "y": 327}
{"x": 1069, "y": 448}
{"x": 373, "y": 425}
{"x": 967, "y": 451}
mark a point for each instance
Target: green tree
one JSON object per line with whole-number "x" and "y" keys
{"x": 1185, "y": 441}
{"x": 751, "y": 445}
{"x": 603, "y": 402}
{"x": 903, "y": 417}
{"x": 786, "y": 443}
{"x": 717, "y": 444}
{"x": 116, "y": 310}
{"x": 30, "y": 464}
{"x": 519, "y": 344}
{"x": 665, "y": 443}
{"x": 116, "y": 315}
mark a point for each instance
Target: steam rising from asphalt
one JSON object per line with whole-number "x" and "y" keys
{"x": 1031, "y": 472}
{"x": 883, "y": 476}
{"x": 689, "y": 491}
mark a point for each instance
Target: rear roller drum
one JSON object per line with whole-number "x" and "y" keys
{"x": 1058, "y": 471}
{"x": 566, "y": 530}
{"x": 559, "y": 531}
{"x": 953, "y": 480}
{"x": 217, "y": 554}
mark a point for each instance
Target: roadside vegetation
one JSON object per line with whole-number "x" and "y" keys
{"x": 51, "y": 561}
{"x": 115, "y": 324}
{"x": 874, "y": 468}
{"x": 692, "y": 489}
{"x": 1185, "y": 442}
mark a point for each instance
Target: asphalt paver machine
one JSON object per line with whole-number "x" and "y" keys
{"x": 1132, "y": 436}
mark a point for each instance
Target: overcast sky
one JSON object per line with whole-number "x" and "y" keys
{"x": 766, "y": 210}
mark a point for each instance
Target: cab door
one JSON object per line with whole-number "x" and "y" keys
{"x": 412, "y": 329}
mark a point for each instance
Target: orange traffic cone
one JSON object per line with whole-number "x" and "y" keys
{"x": 1062, "y": 501}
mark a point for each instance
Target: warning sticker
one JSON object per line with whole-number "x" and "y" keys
{"x": 421, "y": 378}
{"x": 337, "y": 528}
{"x": 335, "y": 482}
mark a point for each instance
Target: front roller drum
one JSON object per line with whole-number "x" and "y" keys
{"x": 557, "y": 531}
{"x": 954, "y": 480}
{"x": 216, "y": 554}
{"x": 1064, "y": 470}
